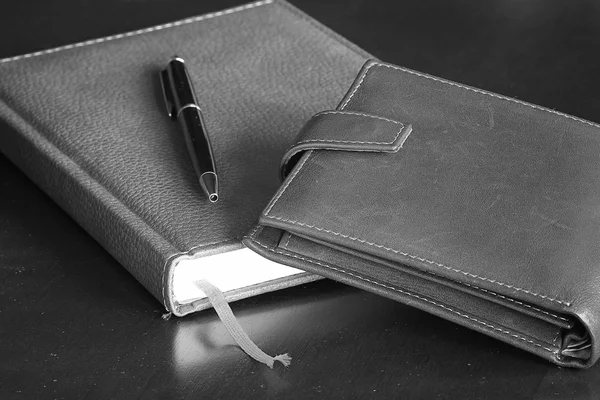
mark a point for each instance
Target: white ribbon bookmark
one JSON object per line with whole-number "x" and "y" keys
{"x": 217, "y": 299}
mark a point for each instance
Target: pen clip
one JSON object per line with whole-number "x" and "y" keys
{"x": 165, "y": 84}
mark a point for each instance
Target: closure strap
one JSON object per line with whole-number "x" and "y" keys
{"x": 347, "y": 131}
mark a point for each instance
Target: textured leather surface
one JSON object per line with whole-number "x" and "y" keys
{"x": 89, "y": 127}
{"x": 488, "y": 215}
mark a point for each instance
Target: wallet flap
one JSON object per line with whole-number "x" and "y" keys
{"x": 346, "y": 131}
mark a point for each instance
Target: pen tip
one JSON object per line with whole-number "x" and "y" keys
{"x": 210, "y": 185}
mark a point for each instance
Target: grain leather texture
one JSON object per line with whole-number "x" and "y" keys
{"x": 87, "y": 124}
{"x": 489, "y": 214}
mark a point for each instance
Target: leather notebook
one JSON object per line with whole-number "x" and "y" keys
{"x": 475, "y": 207}
{"x": 87, "y": 123}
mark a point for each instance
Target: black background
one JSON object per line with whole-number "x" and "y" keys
{"x": 75, "y": 324}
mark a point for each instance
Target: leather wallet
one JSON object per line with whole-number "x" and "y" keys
{"x": 472, "y": 206}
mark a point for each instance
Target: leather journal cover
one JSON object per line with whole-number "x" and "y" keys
{"x": 87, "y": 123}
{"x": 476, "y": 207}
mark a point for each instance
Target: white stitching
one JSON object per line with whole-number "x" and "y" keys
{"x": 357, "y": 113}
{"x": 506, "y": 332}
{"x": 344, "y": 141}
{"x": 139, "y": 31}
{"x": 287, "y": 242}
{"x": 514, "y": 301}
{"x": 352, "y": 141}
{"x": 471, "y": 286}
{"x": 362, "y": 78}
{"x": 484, "y": 92}
{"x": 333, "y": 149}
{"x": 419, "y": 259}
{"x": 349, "y": 141}
{"x": 288, "y": 156}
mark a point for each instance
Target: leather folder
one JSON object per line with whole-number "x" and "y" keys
{"x": 476, "y": 207}
{"x": 87, "y": 123}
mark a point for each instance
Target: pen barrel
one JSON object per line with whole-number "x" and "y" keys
{"x": 196, "y": 140}
{"x": 183, "y": 92}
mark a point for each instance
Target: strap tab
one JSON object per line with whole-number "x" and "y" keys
{"x": 347, "y": 131}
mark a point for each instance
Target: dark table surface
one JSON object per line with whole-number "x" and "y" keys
{"x": 74, "y": 324}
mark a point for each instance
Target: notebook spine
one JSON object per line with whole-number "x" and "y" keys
{"x": 138, "y": 247}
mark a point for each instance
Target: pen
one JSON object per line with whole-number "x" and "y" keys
{"x": 183, "y": 107}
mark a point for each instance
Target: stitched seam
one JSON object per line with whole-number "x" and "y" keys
{"x": 172, "y": 256}
{"x": 442, "y": 306}
{"x": 474, "y": 287}
{"x": 500, "y": 296}
{"x": 514, "y": 301}
{"x": 287, "y": 242}
{"x": 495, "y": 294}
{"x": 139, "y": 31}
{"x": 360, "y": 82}
{"x": 357, "y": 113}
{"x": 353, "y": 141}
{"x": 346, "y": 141}
{"x": 334, "y": 149}
{"x": 252, "y": 234}
{"x": 556, "y": 300}
{"x": 484, "y": 92}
